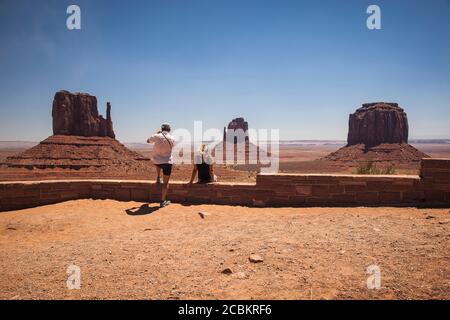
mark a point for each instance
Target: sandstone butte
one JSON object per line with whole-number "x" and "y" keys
{"x": 82, "y": 139}
{"x": 235, "y": 136}
{"x": 77, "y": 115}
{"x": 378, "y": 131}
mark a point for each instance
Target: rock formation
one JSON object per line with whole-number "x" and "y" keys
{"x": 238, "y": 123}
{"x": 77, "y": 114}
{"x": 232, "y": 131}
{"x": 109, "y": 124}
{"x": 376, "y": 123}
{"x": 83, "y": 145}
{"x": 236, "y": 147}
{"x": 378, "y": 132}
{"x": 388, "y": 154}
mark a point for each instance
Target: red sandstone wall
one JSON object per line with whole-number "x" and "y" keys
{"x": 432, "y": 188}
{"x": 340, "y": 190}
{"x": 435, "y": 180}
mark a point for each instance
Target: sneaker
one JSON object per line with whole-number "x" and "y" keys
{"x": 158, "y": 180}
{"x": 164, "y": 203}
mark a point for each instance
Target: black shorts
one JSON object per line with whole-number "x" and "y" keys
{"x": 166, "y": 168}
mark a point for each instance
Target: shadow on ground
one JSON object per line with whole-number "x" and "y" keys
{"x": 142, "y": 210}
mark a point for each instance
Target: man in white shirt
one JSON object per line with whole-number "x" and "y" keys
{"x": 162, "y": 158}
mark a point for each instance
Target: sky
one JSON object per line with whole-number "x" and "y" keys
{"x": 297, "y": 66}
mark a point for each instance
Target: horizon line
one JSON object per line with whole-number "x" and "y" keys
{"x": 281, "y": 140}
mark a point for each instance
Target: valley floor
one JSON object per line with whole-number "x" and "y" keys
{"x": 132, "y": 250}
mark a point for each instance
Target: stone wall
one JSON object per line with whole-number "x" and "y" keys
{"x": 431, "y": 188}
{"x": 340, "y": 190}
{"x": 435, "y": 180}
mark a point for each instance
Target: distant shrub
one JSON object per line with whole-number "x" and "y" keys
{"x": 388, "y": 170}
{"x": 369, "y": 168}
{"x": 365, "y": 168}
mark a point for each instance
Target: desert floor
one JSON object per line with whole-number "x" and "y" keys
{"x": 134, "y": 250}
{"x": 293, "y": 158}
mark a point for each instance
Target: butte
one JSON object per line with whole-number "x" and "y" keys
{"x": 378, "y": 132}
{"x": 236, "y": 142}
{"x": 83, "y": 145}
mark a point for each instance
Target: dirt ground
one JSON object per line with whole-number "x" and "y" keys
{"x": 133, "y": 250}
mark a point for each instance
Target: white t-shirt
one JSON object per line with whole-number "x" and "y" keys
{"x": 207, "y": 158}
{"x": 162, "y": 150}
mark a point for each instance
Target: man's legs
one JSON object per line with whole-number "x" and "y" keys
{"x": 165, "y": 187}
{"x": 167, "y": 170}
{"x": 158, "y": 174}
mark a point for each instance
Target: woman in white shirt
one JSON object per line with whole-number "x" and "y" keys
{"x": 204, "y": 166}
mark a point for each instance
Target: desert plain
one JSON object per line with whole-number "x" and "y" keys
{"x": 294, "y": 157}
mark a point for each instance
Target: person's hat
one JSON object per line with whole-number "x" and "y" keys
{"x": 165, "y": 127}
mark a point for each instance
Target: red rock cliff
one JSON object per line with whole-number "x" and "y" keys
{"x": 376, "y": 123}
{"x": 77, "y": 114}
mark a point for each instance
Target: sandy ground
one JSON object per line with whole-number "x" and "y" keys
{"x": 132, "y": 250}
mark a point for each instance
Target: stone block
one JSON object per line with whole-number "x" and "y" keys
{"x": 435, "y": 163}
{"x": 69, "y": 195}
{"x": 278, "y": 201}
{"x": 434, "y": 195}
{"x": 343, "y": 198}
{"x": 303, "y": 190}
{"x": 46, "y": 195}
{"x": 367, "y": 197}
{"x": 355, "y": 188}
{"x": 143, "y": 195}
{"x": 413, "y": 196}
{"x": 122, "y": 194}
{"x": 318, "y": 201}
{"x": 352, "y": 183}
{"x": 320, "y": 191}
{"x": 447, "y": 196}
{"x": 390, "y": 197}
{"x": 297, "y": 200}
{"x": 285, "y": 190}
{"x": 336, "y": 189}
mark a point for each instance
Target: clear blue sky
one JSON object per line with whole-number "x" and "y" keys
{"x": 300, "y": 66}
